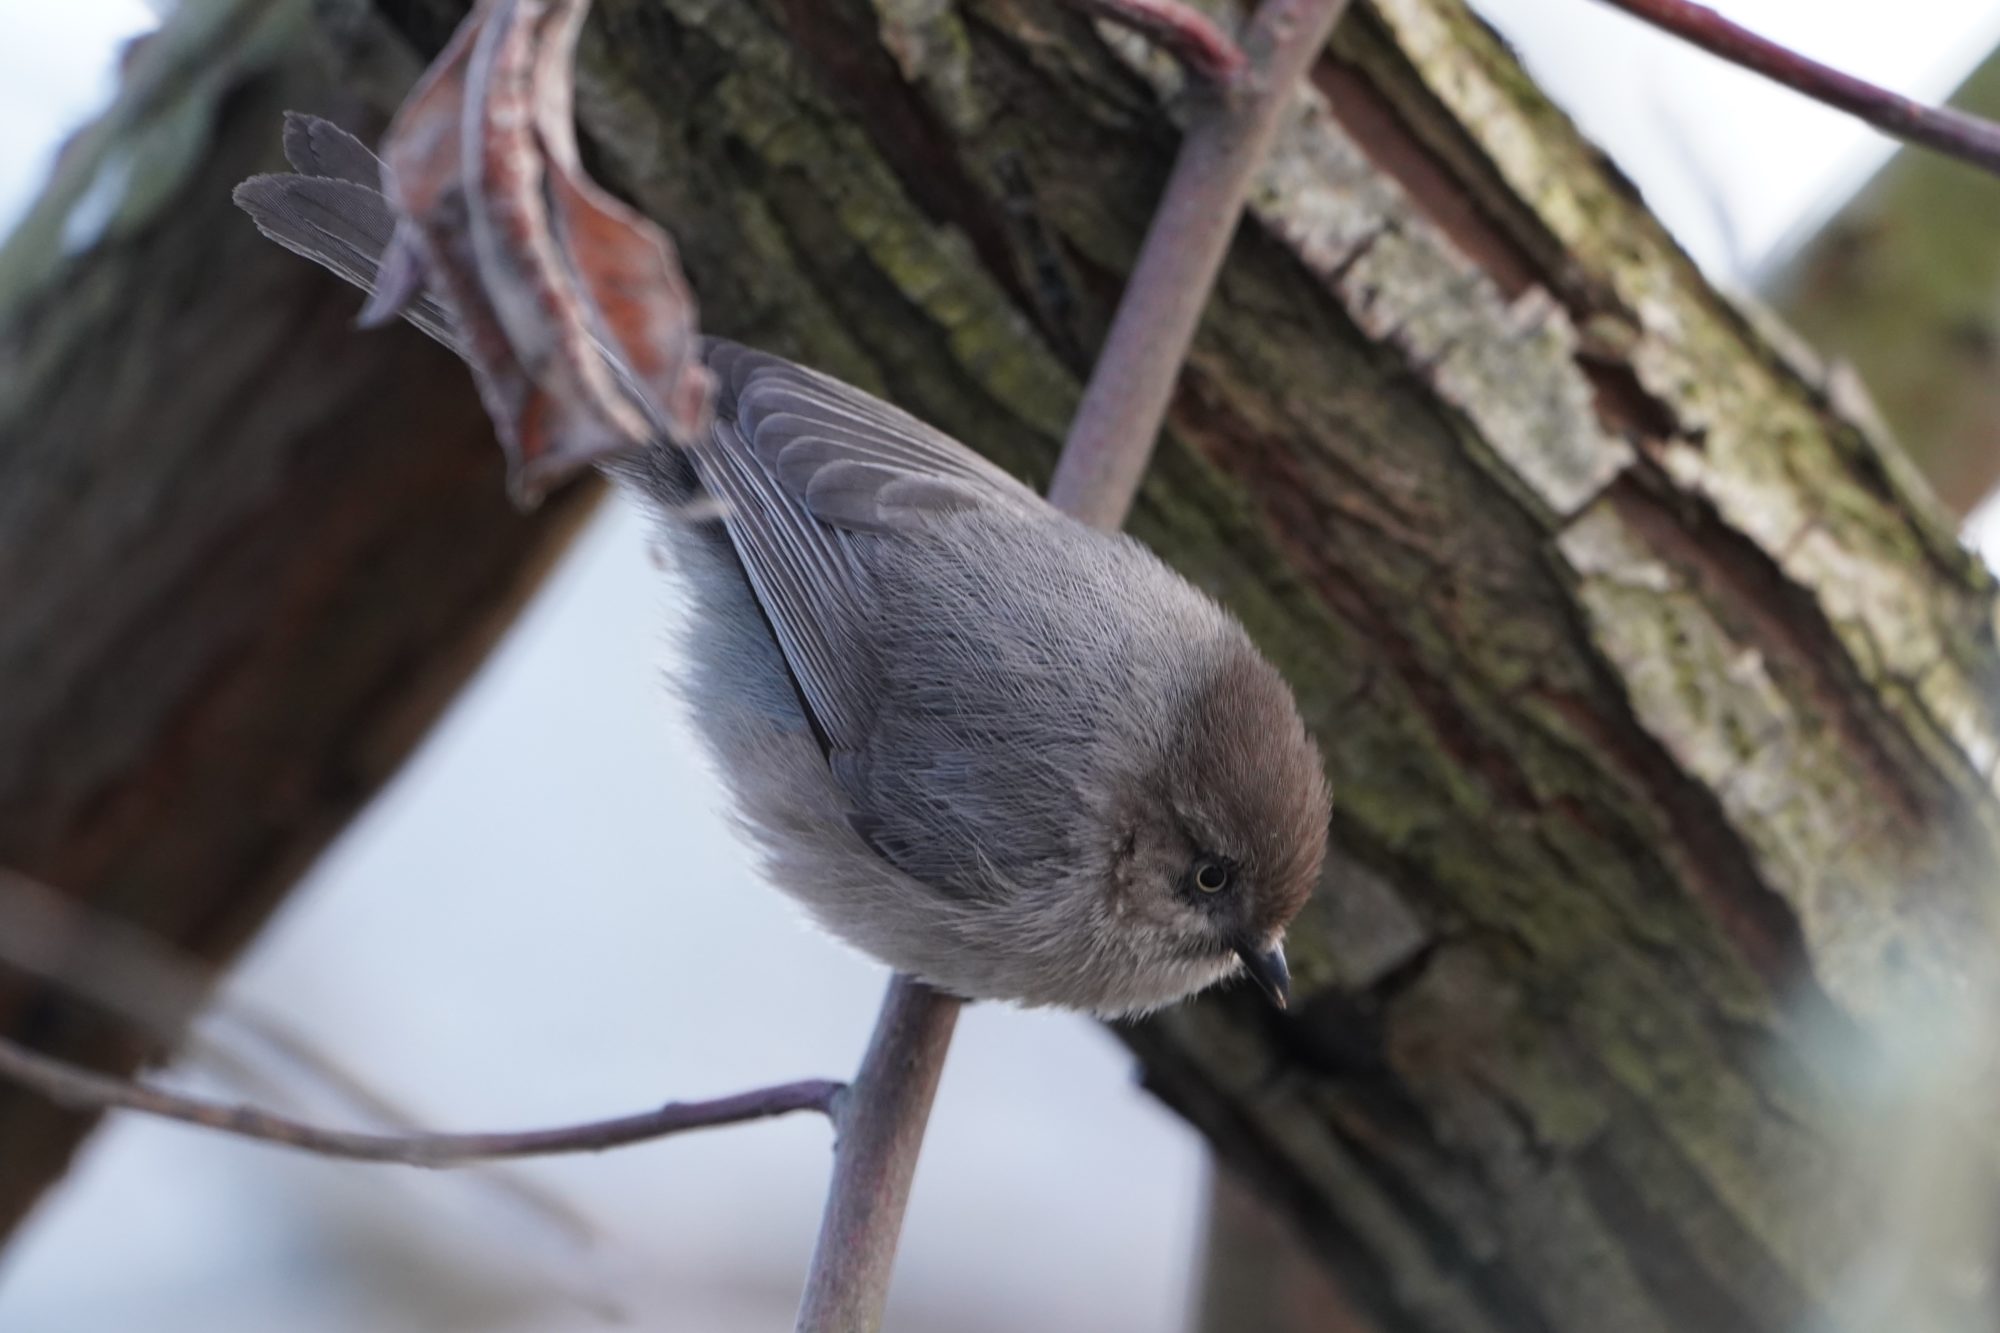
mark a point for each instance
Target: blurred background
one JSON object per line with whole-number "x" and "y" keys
{"x": 494, "y": 956}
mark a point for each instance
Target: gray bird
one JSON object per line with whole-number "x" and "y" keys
{"x": 1014, "y": 756}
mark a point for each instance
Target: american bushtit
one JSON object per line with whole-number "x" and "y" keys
{"x": 1012, "y": 755}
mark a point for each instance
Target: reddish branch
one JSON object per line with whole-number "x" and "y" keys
{"x": 1188, "y": 35}
{"x": 535, "y": 388}
{"x": 82, "y": 1090}
{"x": 1110, "y": 441}
{"x": 881, "y": 1132}
{"x": 1968, "y": 138}
{"x": 1125, "y": 404}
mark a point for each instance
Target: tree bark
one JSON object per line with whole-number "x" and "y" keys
{"x": 1903, "y": 285}
{"x": 245, "y": 554}
{"x": 1656, "y": 693}
{"x": 1899, "y": 292}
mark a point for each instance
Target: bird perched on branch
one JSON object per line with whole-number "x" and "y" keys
{"x": 1012, "y": 755}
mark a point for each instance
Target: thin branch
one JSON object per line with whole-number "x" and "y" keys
{"x": 881, "y": 1131}
{"x": 167, "y": 996}
{"x": 240, "y": 1056}
{"x": 107, "y": 962}
{"x": 881, "y": 1125}
{"x": 881, "y": 1121}
{"x": 83, "y": 1090}
{"x": 1126, "y": 402}
{"x": 1952, "y": 132}
{"x": 1188, "y": 35}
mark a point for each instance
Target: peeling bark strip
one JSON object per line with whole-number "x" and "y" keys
{"x": 1652, "y": 692}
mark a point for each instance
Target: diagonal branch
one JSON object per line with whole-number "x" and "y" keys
{"x": 1952, "y": 132}
{"x": 1125, "y": 403}
{"x": 1110, "y": 441}
{"x": 82, "y": 1090}
{"x": 881, "y": 1131}
{"x": 881, "y": 1121}
{"x": 1187, "y": 34}
{"x": 121, "y": 970}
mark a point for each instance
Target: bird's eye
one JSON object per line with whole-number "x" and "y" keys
{"x": 1211, "y": 876}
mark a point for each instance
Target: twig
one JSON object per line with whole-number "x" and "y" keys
{"x": 881, "y": 1125}
{"x": 1952, "y": 132}
{"x": 315, "y": 1081}
{"x": 107, "y": 962}
{"x": 82, "y": 1090}
{"x": 1126, "y": 401}
{"x": 156, "y": 990}
{"x": 881, "y": 1131}
{"x": 1188, "y": 35}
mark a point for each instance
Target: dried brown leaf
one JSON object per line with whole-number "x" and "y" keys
{"x": 577, "y": 321}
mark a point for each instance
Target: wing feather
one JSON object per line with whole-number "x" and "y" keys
{"x": 808, "y": 471}
{"x": 807, "y": 590}
{"x": 342, "y": 226}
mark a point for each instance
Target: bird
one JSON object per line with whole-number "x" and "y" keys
{"x": 1011, "y": 755}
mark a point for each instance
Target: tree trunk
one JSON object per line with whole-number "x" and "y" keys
{"x": 245, "y": 555}
{"x": 1654, "y": 691}
{"x": 1903, "y": 284}
{"x": 1900, "y": 289}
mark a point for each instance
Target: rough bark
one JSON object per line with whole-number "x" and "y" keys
{"x": 1898, "y": 291}
{"x": 1656, "y": 693}
{"x": 245, "y": 555}
{"x": 1903, "y": 285}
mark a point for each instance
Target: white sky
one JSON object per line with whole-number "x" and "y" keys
{"x": 546, "y": 917}
{"x": 1702, "y": 137}
{"x": 56, "y": 67}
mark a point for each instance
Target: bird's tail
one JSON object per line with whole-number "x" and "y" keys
{"x": 333, "y": 212}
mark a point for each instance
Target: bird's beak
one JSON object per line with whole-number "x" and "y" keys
{"x": 1267, "y": 968}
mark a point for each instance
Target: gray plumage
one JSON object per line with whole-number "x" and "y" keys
{"x": 1014, "y": 756}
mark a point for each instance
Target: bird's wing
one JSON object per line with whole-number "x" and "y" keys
{"x": 859, "y": 464}
{"x": 806, "y": 469}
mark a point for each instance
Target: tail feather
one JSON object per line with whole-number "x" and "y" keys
{"x": 317, "y": 147}
{"x": 336, "y": 216}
